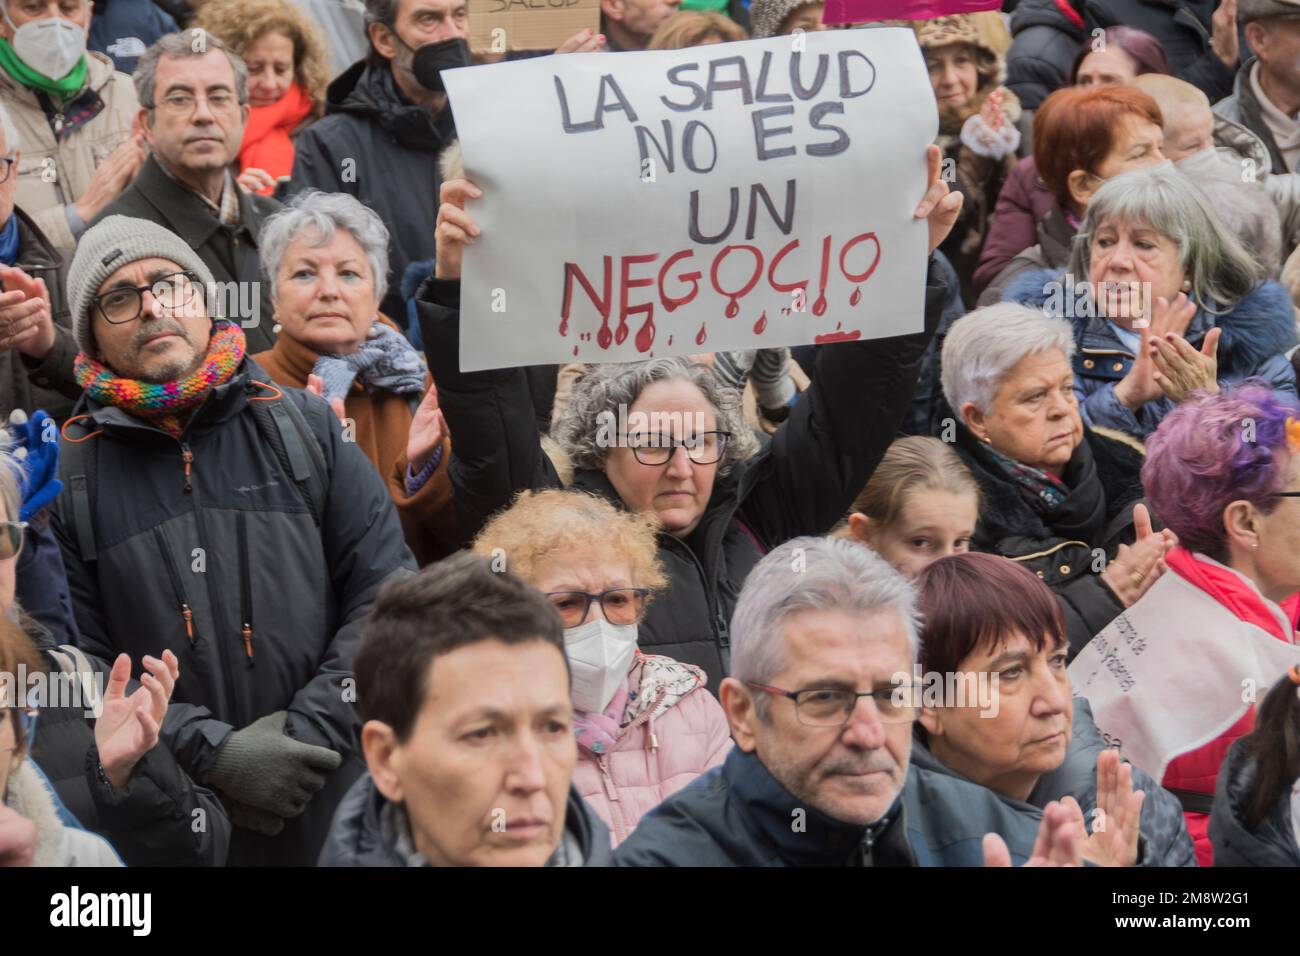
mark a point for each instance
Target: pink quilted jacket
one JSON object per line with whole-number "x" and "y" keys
{"x": 675, "y": 738}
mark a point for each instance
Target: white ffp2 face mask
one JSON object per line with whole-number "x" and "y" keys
{"x": 600, "y": 654}
{"x": 51, "y": 46}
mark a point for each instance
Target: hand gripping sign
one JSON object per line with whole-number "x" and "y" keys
{"x": 734, "y": 196}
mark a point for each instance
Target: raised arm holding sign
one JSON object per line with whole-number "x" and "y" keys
{"x": 662, "y": 436}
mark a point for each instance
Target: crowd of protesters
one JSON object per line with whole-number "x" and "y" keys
{"x": 318, "y": 596}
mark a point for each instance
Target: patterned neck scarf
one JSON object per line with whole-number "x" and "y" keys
{"x": 1044, "y": 490}
{"x": 385, "y": 361}
{"x": 167, "y": 406}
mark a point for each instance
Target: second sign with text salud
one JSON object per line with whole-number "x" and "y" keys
{"x": 739, "y": 195}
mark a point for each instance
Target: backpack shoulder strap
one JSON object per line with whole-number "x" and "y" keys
{"x": 285, "y": 429}
{"x": 73, "y": 662}
{"x": 77, "y": 457}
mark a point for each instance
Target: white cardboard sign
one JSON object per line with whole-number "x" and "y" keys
{"x": 739, "y": 195}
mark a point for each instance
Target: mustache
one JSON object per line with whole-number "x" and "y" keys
{"x": 156, "y": 327}
{"x": 875, "y": 762}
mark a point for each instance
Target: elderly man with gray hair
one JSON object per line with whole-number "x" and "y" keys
{"x": 821, "y": 704}
{"x": 193, "y": 106}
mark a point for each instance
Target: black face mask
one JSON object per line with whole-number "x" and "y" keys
{"x": 432, "y": 58}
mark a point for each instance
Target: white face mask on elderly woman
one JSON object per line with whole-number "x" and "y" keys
{"x": 599, "y": 655}
{"x": 51, "y": 46}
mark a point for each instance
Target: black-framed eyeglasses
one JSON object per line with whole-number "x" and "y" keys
{"x": 6, "y": 167}
{"x": 621, "y": 605}
{"x": 1284, "y": 494}
{"x": 704, "y": 448}
{"x": 11, "y": 539}
{"x": 832, "y": 706}
{"x": 124, "y": 304}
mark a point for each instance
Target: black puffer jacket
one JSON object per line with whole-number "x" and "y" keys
{"x": 160, "y": 818}
{"x": 47, "y": 384}
{"x": 1272, "y": 843}
{"x": 374, "y": 144}
{"x": 363, "y": 833}
{"x": 1046, "y": 41}
{"x": 1105, "y": 482}
{"x": 236, "y": 543}
{"x": 802, "y": 483}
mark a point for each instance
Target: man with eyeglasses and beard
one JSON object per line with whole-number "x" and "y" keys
{"x": 193, "y": 106}
{"x": 824, "y": 641}
{"x": 208, "y": 512}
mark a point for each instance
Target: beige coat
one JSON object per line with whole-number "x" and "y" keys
{"x": 52, "y": 174}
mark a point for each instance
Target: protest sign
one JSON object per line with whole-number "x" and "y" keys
{"x": 500, "y": 26}
{"x": 740, "y": 195}
{"x": 869, "y": 11}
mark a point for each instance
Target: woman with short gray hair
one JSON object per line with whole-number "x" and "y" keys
{"x": 1164, "y": 302}
{"x": 1057, "y": 497}
{"x": 326, "y": 258}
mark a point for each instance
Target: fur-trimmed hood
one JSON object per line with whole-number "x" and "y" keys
{"x": 29, "y": 794}
{"x": 1259, "y": 327}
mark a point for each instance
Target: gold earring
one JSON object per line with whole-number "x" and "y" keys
{"x": 1187, "y": 285}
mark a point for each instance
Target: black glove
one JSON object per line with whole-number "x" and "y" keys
{"x": 266, "y": 770}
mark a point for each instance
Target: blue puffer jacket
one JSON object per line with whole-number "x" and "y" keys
{"x": 1256, "y": 332}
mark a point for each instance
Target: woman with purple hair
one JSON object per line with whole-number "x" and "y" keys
{"x": 1173, "y": 680}
{"x": 1117, "y": 56}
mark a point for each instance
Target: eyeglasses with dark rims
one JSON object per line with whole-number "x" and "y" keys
{"x": 832, "y": 706}
{"x": 125, "y": 303}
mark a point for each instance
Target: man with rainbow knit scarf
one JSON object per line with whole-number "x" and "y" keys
{"x": 193, "y": 532}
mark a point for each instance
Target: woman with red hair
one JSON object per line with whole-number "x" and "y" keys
{"x": 1082, "y": 137}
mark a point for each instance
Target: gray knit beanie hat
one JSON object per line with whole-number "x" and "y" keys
{"x": 112, "y": 243}
{"x": 766, "y": 16}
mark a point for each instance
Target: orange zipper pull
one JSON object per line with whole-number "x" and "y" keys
{"x": 247, "y": 631}
{"x": 188, "y": 617}
{"x": 188, "y": 457}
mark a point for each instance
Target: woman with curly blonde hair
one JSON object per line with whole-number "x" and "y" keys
{"x": 288, "y": 71}
{"x": 646, "y": 725}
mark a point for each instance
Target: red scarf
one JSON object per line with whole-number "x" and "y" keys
{"x": 1229, "y": 590}
{"x": 266, "y": 135}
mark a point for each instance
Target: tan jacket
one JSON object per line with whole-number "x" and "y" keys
{"x": 52, "y": 174}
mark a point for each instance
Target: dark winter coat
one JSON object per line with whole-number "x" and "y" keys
{"x": 1273, "y": 842}
{"x": 1104, "y": 477}
{"x": 740, "y": 815}
{"x": 802, "y": 483}
{"x": 230, "y": 252}
{"x": 1052, "y": 251}
{"x": 235, "y": 543}
{"x": 124, "y": 29}
{"x": 1164, "y": 840}
{"x": 1243, "y": 108}
{"x": 1024, "y": 202}
{"x": 47, "y": 384}
{"x": 160, "y": 818}
{"x": 1045, "y": 42}
{"x": 374, "y": 144}
{"x": 1255, "y": 334}
{"x": 363, "y": 834}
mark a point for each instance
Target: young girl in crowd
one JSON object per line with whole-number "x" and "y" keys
{"x": 920, "y": 505}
